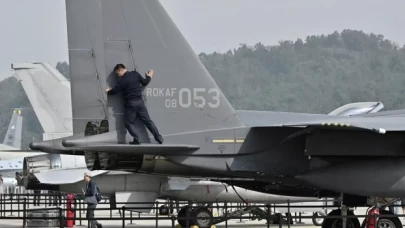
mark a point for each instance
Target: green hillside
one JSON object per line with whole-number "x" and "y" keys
{"x": 315, "y": 75}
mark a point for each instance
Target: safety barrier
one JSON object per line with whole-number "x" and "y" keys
{"x": 19, "y": 206}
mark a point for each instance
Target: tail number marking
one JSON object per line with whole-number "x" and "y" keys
{"x": 186, "y": 97}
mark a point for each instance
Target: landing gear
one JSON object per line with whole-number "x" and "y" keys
{"x": 184, "y": 222}
{"x": 392, "y": 222}
{"x": 316, "y": 220}
{"x": 164, "y": 210}
{"x": 383, "y": 222}
{"x": 201, "y": 217}
{"x": 284, "y": 220}
{"x": 338, "y": 222}
{"x": 386, "y": 222}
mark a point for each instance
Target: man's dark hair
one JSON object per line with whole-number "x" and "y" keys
{"x": 119, "y": 66}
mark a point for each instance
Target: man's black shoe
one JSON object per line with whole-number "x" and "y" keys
{"x": 135, "y": 142}
{"x": 160, "y": 140}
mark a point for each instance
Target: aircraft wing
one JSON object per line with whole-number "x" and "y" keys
{"x": 392, "y": 113}
{"x": 259, "y": 118}
{"x": 378, "y": 124}
{"x": 7, "y": 148}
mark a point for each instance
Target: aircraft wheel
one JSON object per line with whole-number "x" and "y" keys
{"x": 183, "y": 213}
{"x": 205, "y": 220}
{"x": 164, "y": 210}
{"x": 284, "y": 221}
{"x": 393, "y": 222}
{"x": 338, "y": 223}
{"x": 318, "y": 221}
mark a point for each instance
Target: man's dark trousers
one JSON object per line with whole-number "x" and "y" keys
{"x": 134, "y": 108}
{"x": 36, "y": 197}
{"x": 92, "y": 223}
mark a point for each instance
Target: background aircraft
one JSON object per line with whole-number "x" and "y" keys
{"x": 14, "y": 131}
{"x": 12, "y": 141}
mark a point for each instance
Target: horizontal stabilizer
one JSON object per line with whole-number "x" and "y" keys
{"x": 151, "y": 149}
{"x": 8, "y": 148}
{"x": 65, "y": 176}
{"x": 55, "y": 146}
{"x": 18, "y": 151}
{"x": 24, "y": 153}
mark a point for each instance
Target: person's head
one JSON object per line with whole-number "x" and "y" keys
{"x": 120, "y": 69}
{"x": 87, "y": 177}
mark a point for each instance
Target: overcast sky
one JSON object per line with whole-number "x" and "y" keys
{"x": 36, "y": 29}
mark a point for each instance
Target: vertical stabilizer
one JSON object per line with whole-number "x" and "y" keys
{"x": 86, "y": 62}
{"x": 14, "y": 132}
{"x": 49, "y": 94}
{"x": 182, "y": 95}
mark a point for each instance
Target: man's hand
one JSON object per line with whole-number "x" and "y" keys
{"x": 107, "y": 89}
{"x": 149, "y": 73}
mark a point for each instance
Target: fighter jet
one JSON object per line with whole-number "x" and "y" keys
{"x": 12, "y": 142}
{"x": 49, "y": 93}
{"x": 11, "y": 146}
{"x": 204, "y": 136}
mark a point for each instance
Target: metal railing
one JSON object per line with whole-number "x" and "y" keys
{"x": 20, "y": 206}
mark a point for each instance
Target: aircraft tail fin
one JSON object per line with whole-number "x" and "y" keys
{"x": 182, "y": 95}
{"x": 49, "y": 94}
{"x": 14, "y": 132}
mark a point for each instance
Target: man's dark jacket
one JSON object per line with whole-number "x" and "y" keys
{"x": 130, "y": 86}
{"x": 91, "y": 189}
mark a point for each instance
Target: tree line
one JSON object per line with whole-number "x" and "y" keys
{"x": 315, "y": 75}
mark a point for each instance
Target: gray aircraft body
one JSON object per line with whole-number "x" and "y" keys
{"x": 49, "y": 94}
{"x": 204, "y": 136}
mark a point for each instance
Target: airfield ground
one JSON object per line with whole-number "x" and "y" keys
{"x": 11, "y": 223}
